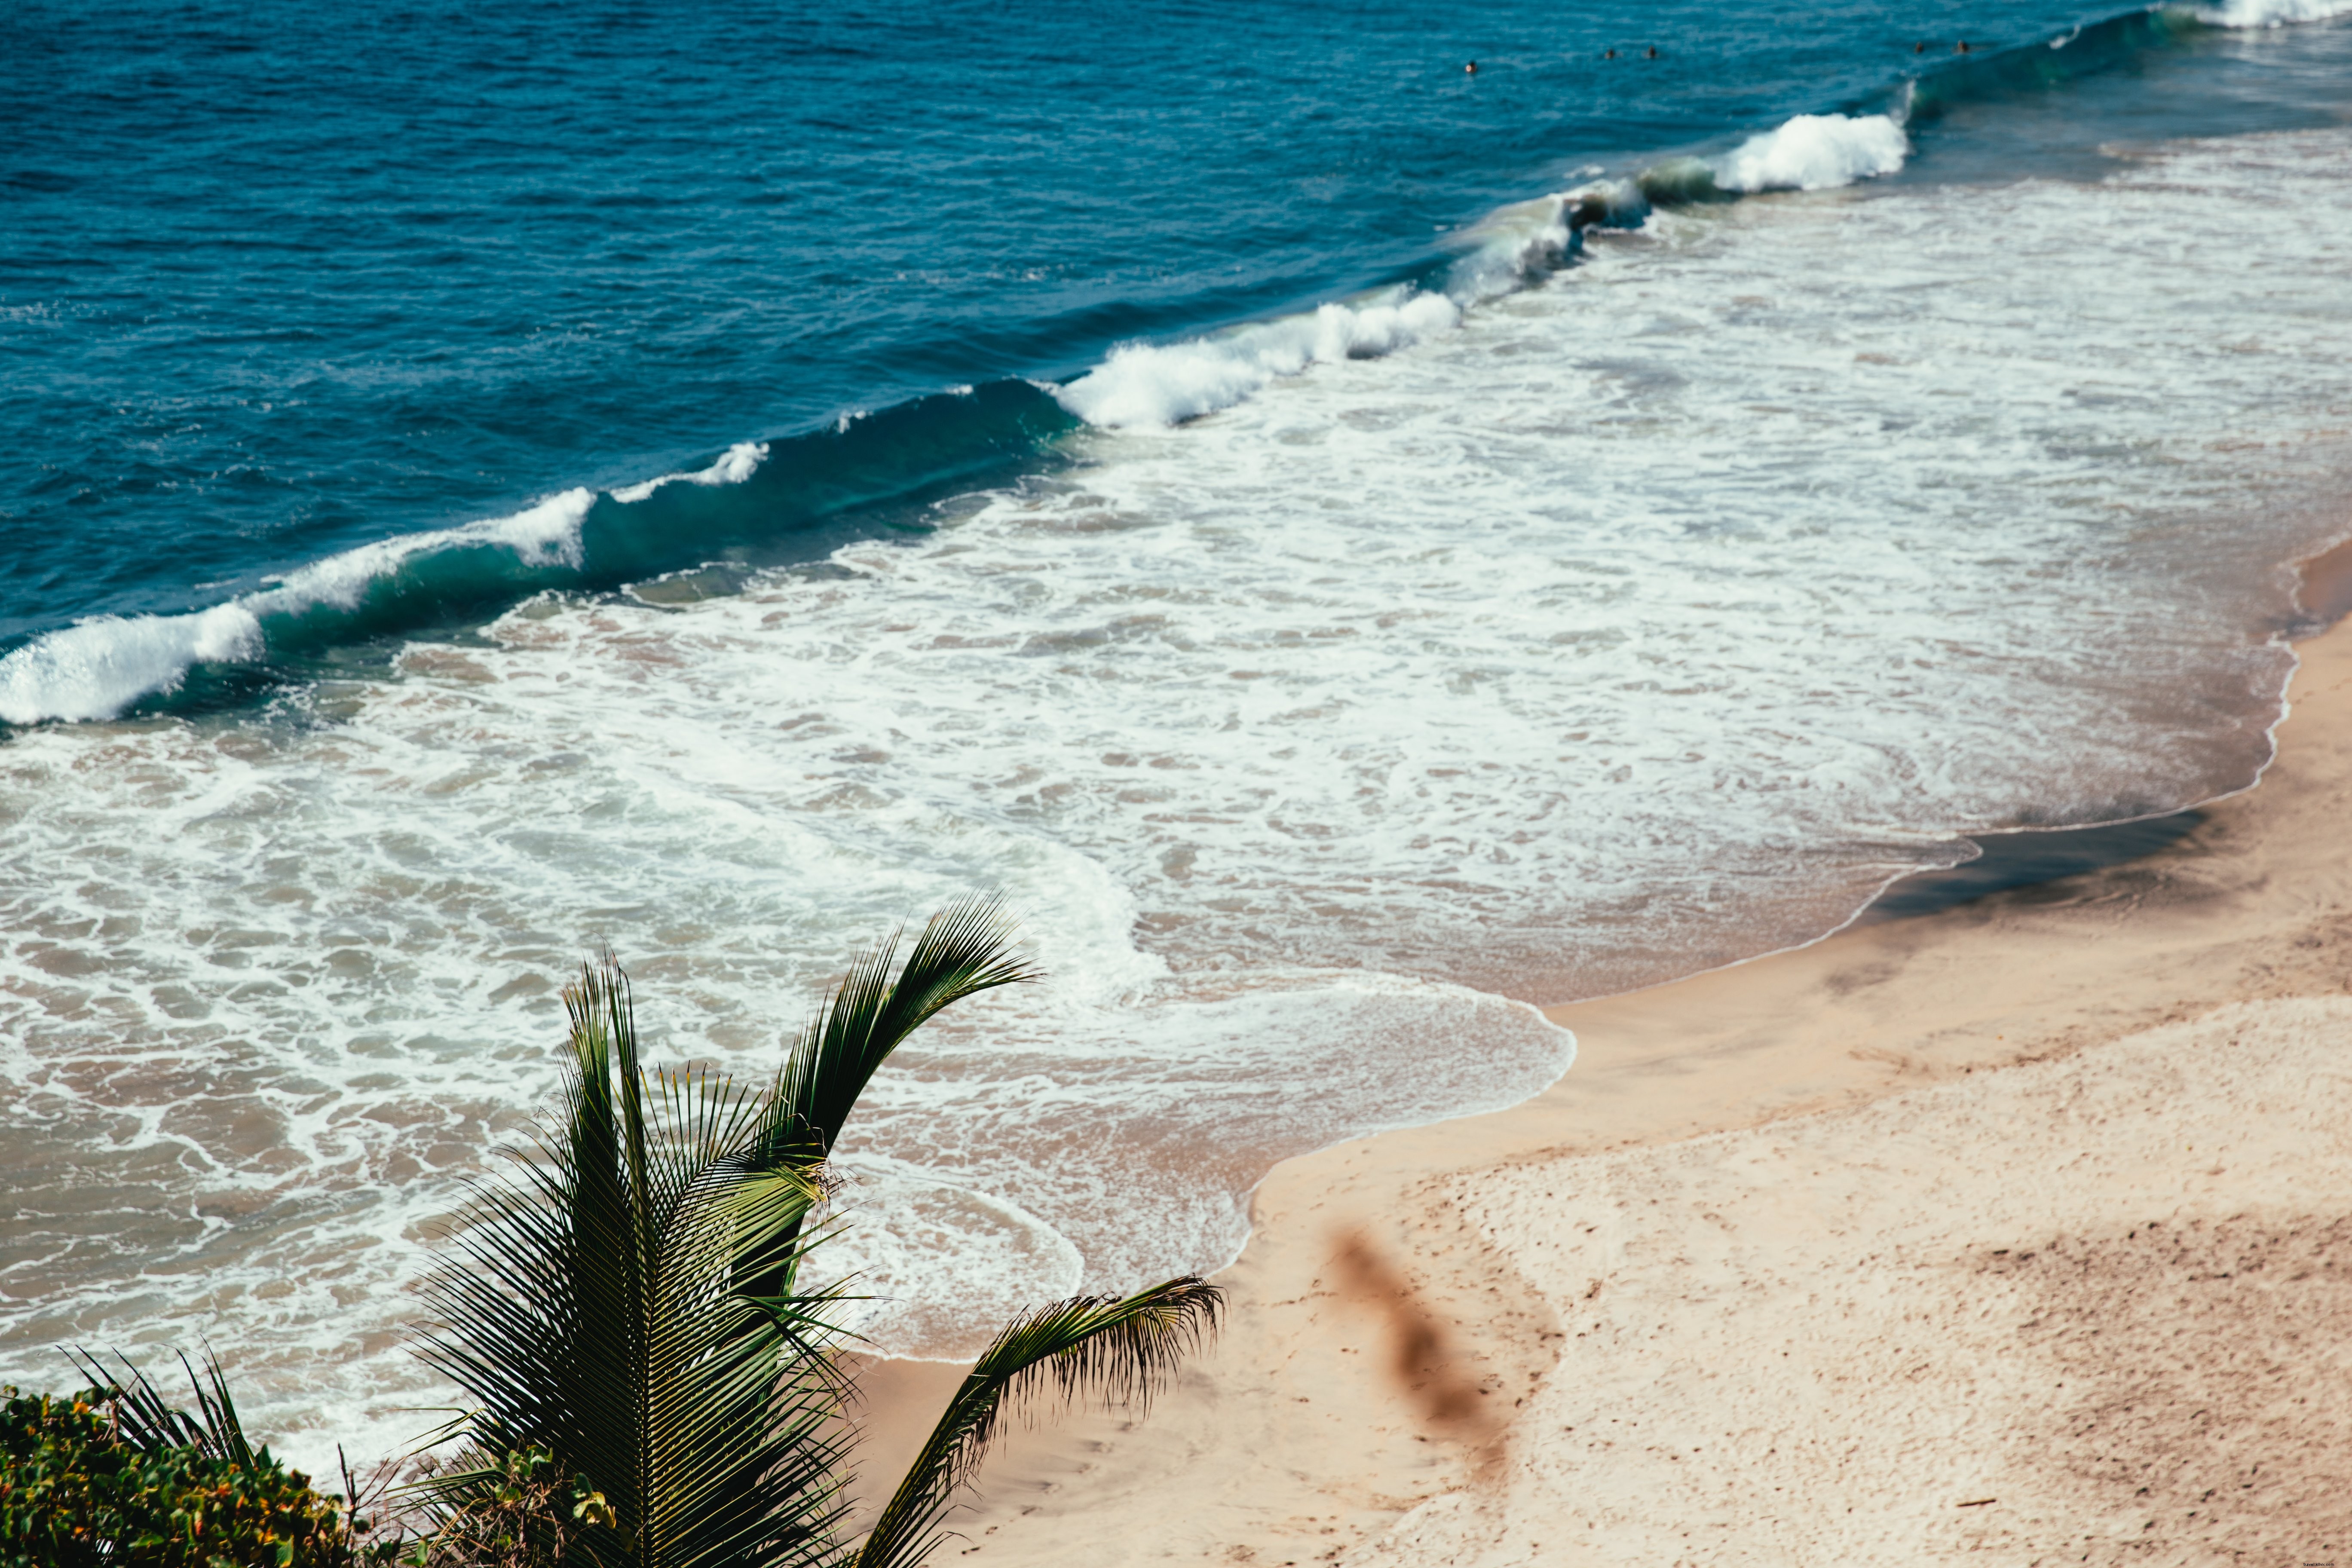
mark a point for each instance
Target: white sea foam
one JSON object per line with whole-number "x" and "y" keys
{"x": 98, "y": 668}
{"x": 1646, "y": 620}
{"x": 2274, "y": 13}
{"x": 1512, "y": 248}
{"x": 1149, "y": 385}
{"x": 1144, "y": 386}
{"x": 1815, "y": 153}
{"x": 734, "y": 466}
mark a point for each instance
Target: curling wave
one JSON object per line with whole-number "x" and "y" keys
{"x": 754, "y": 499}
{"x": 1158, "y": 384}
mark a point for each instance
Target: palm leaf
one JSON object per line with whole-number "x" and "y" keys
{"x": 146, "y": 1421}
{"x": 590, "y": 1308}
{"x": 1121, "y": 1348}
{"x": 625, "y": 1299}
{"x": 964, "y": 949}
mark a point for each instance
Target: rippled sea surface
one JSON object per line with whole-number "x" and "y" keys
{"x": 1351, "y": 545}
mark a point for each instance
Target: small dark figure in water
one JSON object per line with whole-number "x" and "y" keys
{"x": 1609, "y": 54}
{"x": 1961, "y": 47}
{"x": 1918, "y": 49}
{"x": 1654, "y": 51}
{"x": 1470, "y": 70}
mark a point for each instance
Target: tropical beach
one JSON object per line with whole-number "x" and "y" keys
{"x": 1567, "y": 786}
{"x": 2025, "y": 1202}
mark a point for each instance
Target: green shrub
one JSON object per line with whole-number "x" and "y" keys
{"x": 75, "y": 1493}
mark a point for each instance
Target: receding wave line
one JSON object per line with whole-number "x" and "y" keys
{"x": 761, "y": 495}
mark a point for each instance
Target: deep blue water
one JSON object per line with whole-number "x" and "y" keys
{"x": 280, "y": 279}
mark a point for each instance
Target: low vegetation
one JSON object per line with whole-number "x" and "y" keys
{"x": 114, "y": 1477}
{"x": 653, "y": 1383}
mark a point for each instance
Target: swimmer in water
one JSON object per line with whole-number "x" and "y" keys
{"x": 1654, "y": 51}
{"x": 1609, "y": 54}
{"x": 1470, "y": 70}
{"x": 1918, "y": 49}
{"x": 1961, "y": 47}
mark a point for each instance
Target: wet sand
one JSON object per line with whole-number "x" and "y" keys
{"x": 2019, "y": 1228}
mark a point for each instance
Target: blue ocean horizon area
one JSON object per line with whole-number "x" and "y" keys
{"x": 284, "y": 280}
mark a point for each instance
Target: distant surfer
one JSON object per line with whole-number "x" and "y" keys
{"x": 1609, "y": 54}
{"x": 1590, "y": 208}
{"x": 1961, "y": 47}
{"x": 1653, "y": 52}
{"x": 1470, "y": 70}
{"x": 1918, "y": 49}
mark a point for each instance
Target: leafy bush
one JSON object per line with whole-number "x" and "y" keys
{"x": 76, "y": 1492}
{"x": 515, "y": 1512}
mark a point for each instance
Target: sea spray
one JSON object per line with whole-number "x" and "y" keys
{"x": 1166, "y": 383}
{"x": 1815, "y": 153}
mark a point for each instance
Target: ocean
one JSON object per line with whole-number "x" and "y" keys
{"x": 1353, "y": 547}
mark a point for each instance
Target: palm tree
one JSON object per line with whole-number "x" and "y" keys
{"x": 625, "y": 1310}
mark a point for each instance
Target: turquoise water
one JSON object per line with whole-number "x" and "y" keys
{"x": 280, "y": 280}
{"x": 1352, "y": 546}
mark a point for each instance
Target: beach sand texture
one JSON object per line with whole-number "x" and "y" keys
{"x": 2012, "y": 1233}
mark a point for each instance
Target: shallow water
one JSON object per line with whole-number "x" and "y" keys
{"x": 1603, "y": 622}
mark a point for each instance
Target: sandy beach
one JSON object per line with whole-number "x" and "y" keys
{"x": 2013, "y": 1229}
{"x": 1458, "y": 582}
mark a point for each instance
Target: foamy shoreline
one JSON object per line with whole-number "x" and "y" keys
{"x": 1685, "y": 1275}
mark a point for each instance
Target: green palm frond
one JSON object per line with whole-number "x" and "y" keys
{"x": 622, "y": 1306}
{"x": 148, "y": 1421}
{"x": 1120, "y": 1349}
{"x": 963, "y": 949}
{"x": 592, "y": 1309}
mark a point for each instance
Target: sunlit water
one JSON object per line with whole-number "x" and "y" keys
{"x": 1645, "y": 619}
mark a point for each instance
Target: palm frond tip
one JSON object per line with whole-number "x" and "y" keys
{"x": 961, "y": 950}
{"x": 1121, "y": 1348}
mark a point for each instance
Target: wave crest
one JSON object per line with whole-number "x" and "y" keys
{"x": 1150, "y": 385}
{"x": 2271, "y": 13}
{"x": 98, "y": 668}
{"x": 1815, "y": 153}
{"x": 733, "y": 467}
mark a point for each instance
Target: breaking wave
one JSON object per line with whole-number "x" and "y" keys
{"x": 100, "y": 666}
{"x": 758, "y": 497}
{"x": 2273, "y": 13}
{"x": 754, "y": 500}
{"x": 1167, "y": 383}
{"x": 1815, "y": 153}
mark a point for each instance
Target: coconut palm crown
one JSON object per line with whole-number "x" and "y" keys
{"x": 625, "y": 1304}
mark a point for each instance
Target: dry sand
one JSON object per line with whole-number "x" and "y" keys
{"x": 2018, "y": 1233}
